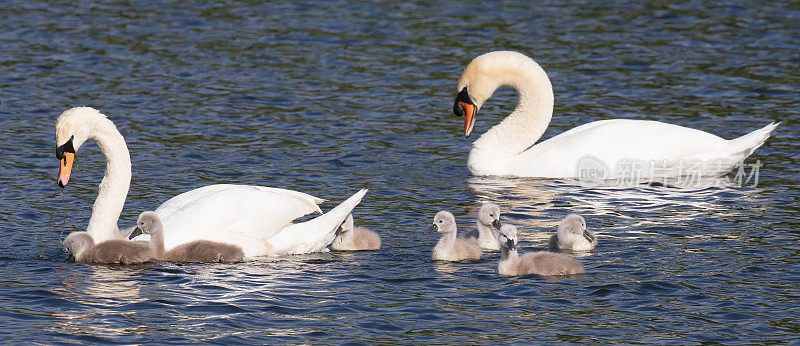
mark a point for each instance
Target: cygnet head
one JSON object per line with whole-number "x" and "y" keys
{"x": 76, "y": 242}
{"x": 443, "y": 222}
{"x": 508, "y": 236}
{"x": 348, "y": 224}
{"x": 575, "y": 224}
{"x": 148, "y": 223}
{"x": 484, "y": 75}
{"x": 489, "y": 215}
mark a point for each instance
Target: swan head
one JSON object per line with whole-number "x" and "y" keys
{"x": 575, "y": 224}
{"x": 73, "y": 128}
{"x": 489, "y": 215}
{"x": 443, "y": 222}
{"x": 147, "y": 223}
{"x": 508, "y": 236}
{"x": 77, "y": 242}
{"x": 484, "y": 75}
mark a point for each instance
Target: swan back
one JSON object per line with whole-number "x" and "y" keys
{"x": 245, "y": 215}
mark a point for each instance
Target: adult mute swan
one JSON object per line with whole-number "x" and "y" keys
{"x": 604, "y": 149}
{"x": 258, "y": 219}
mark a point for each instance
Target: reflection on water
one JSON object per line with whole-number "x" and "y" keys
{"x": 104, "y": 288}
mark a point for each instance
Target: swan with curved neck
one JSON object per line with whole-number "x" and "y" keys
{"x": 256, "y": 218}
{"x": 508, "y": 148}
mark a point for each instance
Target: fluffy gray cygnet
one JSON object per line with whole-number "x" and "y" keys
{"x": 486, "y": 227}
{"x": 541, "y": 262}
{"x": 573, "y": 235}
{"x": 196, "y": 251}
{"x": 82, "y": 248}
{"x": 352, "y": 238}
{"x": 450, "y": 247}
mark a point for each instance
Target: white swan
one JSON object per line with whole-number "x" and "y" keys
{"x": 258, "y": 219}
{"x": 606, "y": 146}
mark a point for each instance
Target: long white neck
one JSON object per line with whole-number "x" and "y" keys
{"x": 115, "y": 184}
{"x": 523, "y": 127}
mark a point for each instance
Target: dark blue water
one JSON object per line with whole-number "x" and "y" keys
{"x": 330, "y": 97}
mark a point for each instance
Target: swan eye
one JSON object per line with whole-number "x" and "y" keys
{"x": 464, "y": 97}
{"x": 65, "y": 148}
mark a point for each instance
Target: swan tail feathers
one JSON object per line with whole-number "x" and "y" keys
{"x": 316, "y": 234}
{"x": 311, "y": 201}
{"x": 744, "y": 146}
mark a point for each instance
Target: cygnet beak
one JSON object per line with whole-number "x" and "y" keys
{"x": 511, "y": 245}
{"x": 136, "y": 232}
{"x": 588, "y": 235}
{"x": 433, "y": 228}
{"x": 496, "y": 224}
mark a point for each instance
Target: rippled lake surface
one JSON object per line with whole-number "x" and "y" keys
{"x": 330, "y": 97}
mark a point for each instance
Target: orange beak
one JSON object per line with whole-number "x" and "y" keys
{"x": 65, "y": 168}
{"x": 469, "y": 117}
